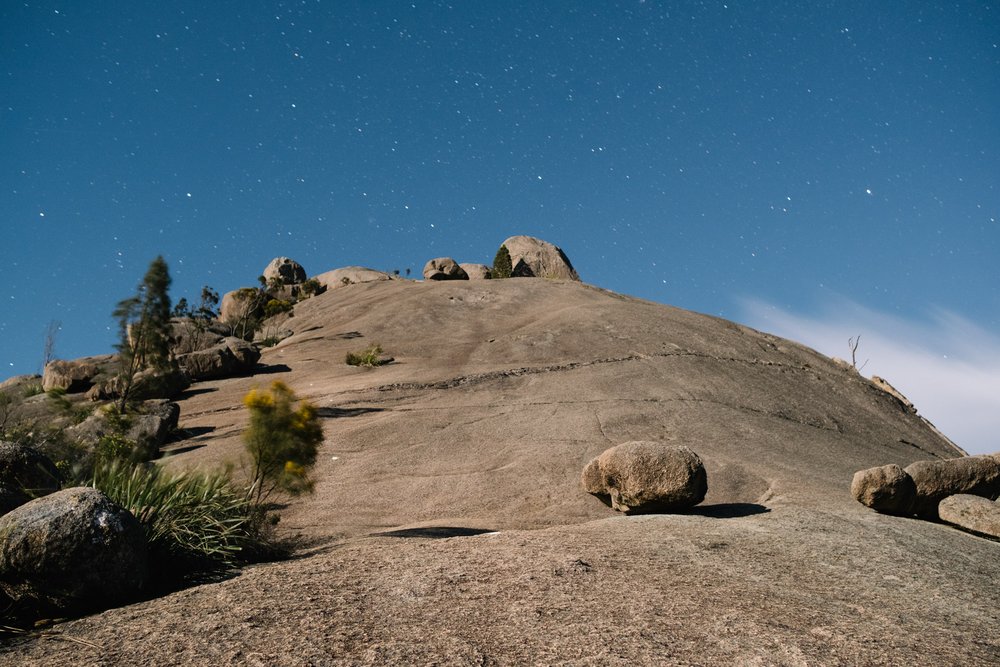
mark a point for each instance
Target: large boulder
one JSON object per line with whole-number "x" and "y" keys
{"x": 72, "y": 551}
{"x": 149, "y": 427}
{"x": 477, "y": 271}
{"x": 887, "y": 489}
{"x": 642, "y": 477}
{"x": 535, "y": 258}
{"x": 288, "y": 271}
{"x": 25, "y": 473}
{"x": 71, "y": 376}
{"x": 444, "y": 268}
{"x": 190, "y": 335}
{"x": 350, "y": 275}
{"x": 936, "y": 480}
{"x": 20, "y": 381}
{"x": 229, "y": 358}
{"x": 973, "y": 513}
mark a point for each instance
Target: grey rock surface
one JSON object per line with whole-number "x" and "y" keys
{"x": 936, "y": 480}
{"x": 887, "y": 489}
{"x": 73, "y": 377}
{"x": 72, "y": 551}
{"x": 643, "y": 477}
{"x": 487, "y": 428}
{"x": 973, "y": 513}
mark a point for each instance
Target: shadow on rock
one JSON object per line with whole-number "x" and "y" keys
{"x": 728, "y": 510}
{"x": 272, "y": 369}
{"x": 434, "y": 532}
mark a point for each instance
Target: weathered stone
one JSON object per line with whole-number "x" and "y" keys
{"x": 71, "y": 551}
{"x": 288, "y": 271}
{"x": 350, "y": 275}
{"x": 936, "y": 480}
{"x": 241, "y": 304}
{"x": 887, "y": 489}
{"x": 642, "y": 477}
{"x": 26, "y": 471}
{"x": 71, "y": 376}
{"x": 535, "y": 258}
{"x": 229, "y": 358}
{"x": 189, "y": 335}
{"x": 477, "y": 271}
{"x": 973, "y": 513}
{"x": 444, "y": 268}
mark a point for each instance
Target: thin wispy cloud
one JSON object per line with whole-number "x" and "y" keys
{"x": 946, "y": 365}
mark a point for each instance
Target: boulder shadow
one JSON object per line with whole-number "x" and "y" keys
{"x": 727, "y": 510}
{"x": 434, "y": 532}
{"x": 270, "y": 370}
{"x": 188, "y": 393}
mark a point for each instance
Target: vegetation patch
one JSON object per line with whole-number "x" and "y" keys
{"x": 370, "y": 357}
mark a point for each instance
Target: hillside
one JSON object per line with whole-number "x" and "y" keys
{"x": 499, "y": 393}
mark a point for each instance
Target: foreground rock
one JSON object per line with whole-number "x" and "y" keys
{"x": 25, "y": 473}
{"x": 642, "y": 477}
{"x": 228, "y": 358}
{"x": 288, "y": 271}
{"x": 444, "y": 268}
{"x": 886, "y": 489}
{"x": 535, "y": 258}
{"x": 973, "y": 513}
{"x": 936, "y": 480}
{"x": 72, "y": 551}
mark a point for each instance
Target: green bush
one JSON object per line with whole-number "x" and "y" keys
{"x": 282, "y": 441}
{"x": 194, "y": 522}
{"x": 312, "y": 287}
{"x": 371, "y": 356}
{"x": 277, "y": 307}
{"x": 502, "y": 266}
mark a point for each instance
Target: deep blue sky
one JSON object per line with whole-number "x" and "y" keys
{"x": 702, "y": 154}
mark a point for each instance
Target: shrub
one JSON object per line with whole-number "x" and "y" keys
{"x": 194, "y": 522}
{"x": 312, "y": 287}
{"x": 502, "y": 266}
{"x": 371, "y": 356}
{"x": 277, "y": 307}
{"x": 282, "y": 441}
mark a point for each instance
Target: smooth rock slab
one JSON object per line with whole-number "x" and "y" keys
{"x": 936, "y": 480}
{"x": 642, "y": 477}
{"x": 72, "y": 551}
{"x": 973, "y": 513}
{"x": 887, "y": 489}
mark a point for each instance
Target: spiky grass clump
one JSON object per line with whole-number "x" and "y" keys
{"x": 194, "y": 522}
{"x": 371, "y": 356}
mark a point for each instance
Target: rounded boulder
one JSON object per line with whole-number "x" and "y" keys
{"x": 444, "y": 268}
{"x": 288, "y": 271}
{"x": 936, "y": 480}
{"x": 887, "y": 489}
{"x": 535, "y": 258}
{"x": 647, "y": 477}
{"x": 72, "y": 551}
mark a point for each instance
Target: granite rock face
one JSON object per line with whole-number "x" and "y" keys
{"x": 535, "y": 258}
{"x": 887, "y": 489}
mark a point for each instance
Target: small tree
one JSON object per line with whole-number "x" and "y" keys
{"x": 282, "y": 441}
{"x": 502, "y": 267}
{"x": 144, "y": 328}
{"x": 49, "y": 353}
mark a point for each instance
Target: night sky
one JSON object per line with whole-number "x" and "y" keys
{"x": 819, "y": 170}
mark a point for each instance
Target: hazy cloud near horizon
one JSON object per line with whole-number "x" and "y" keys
{"x": 946, "y": 365}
